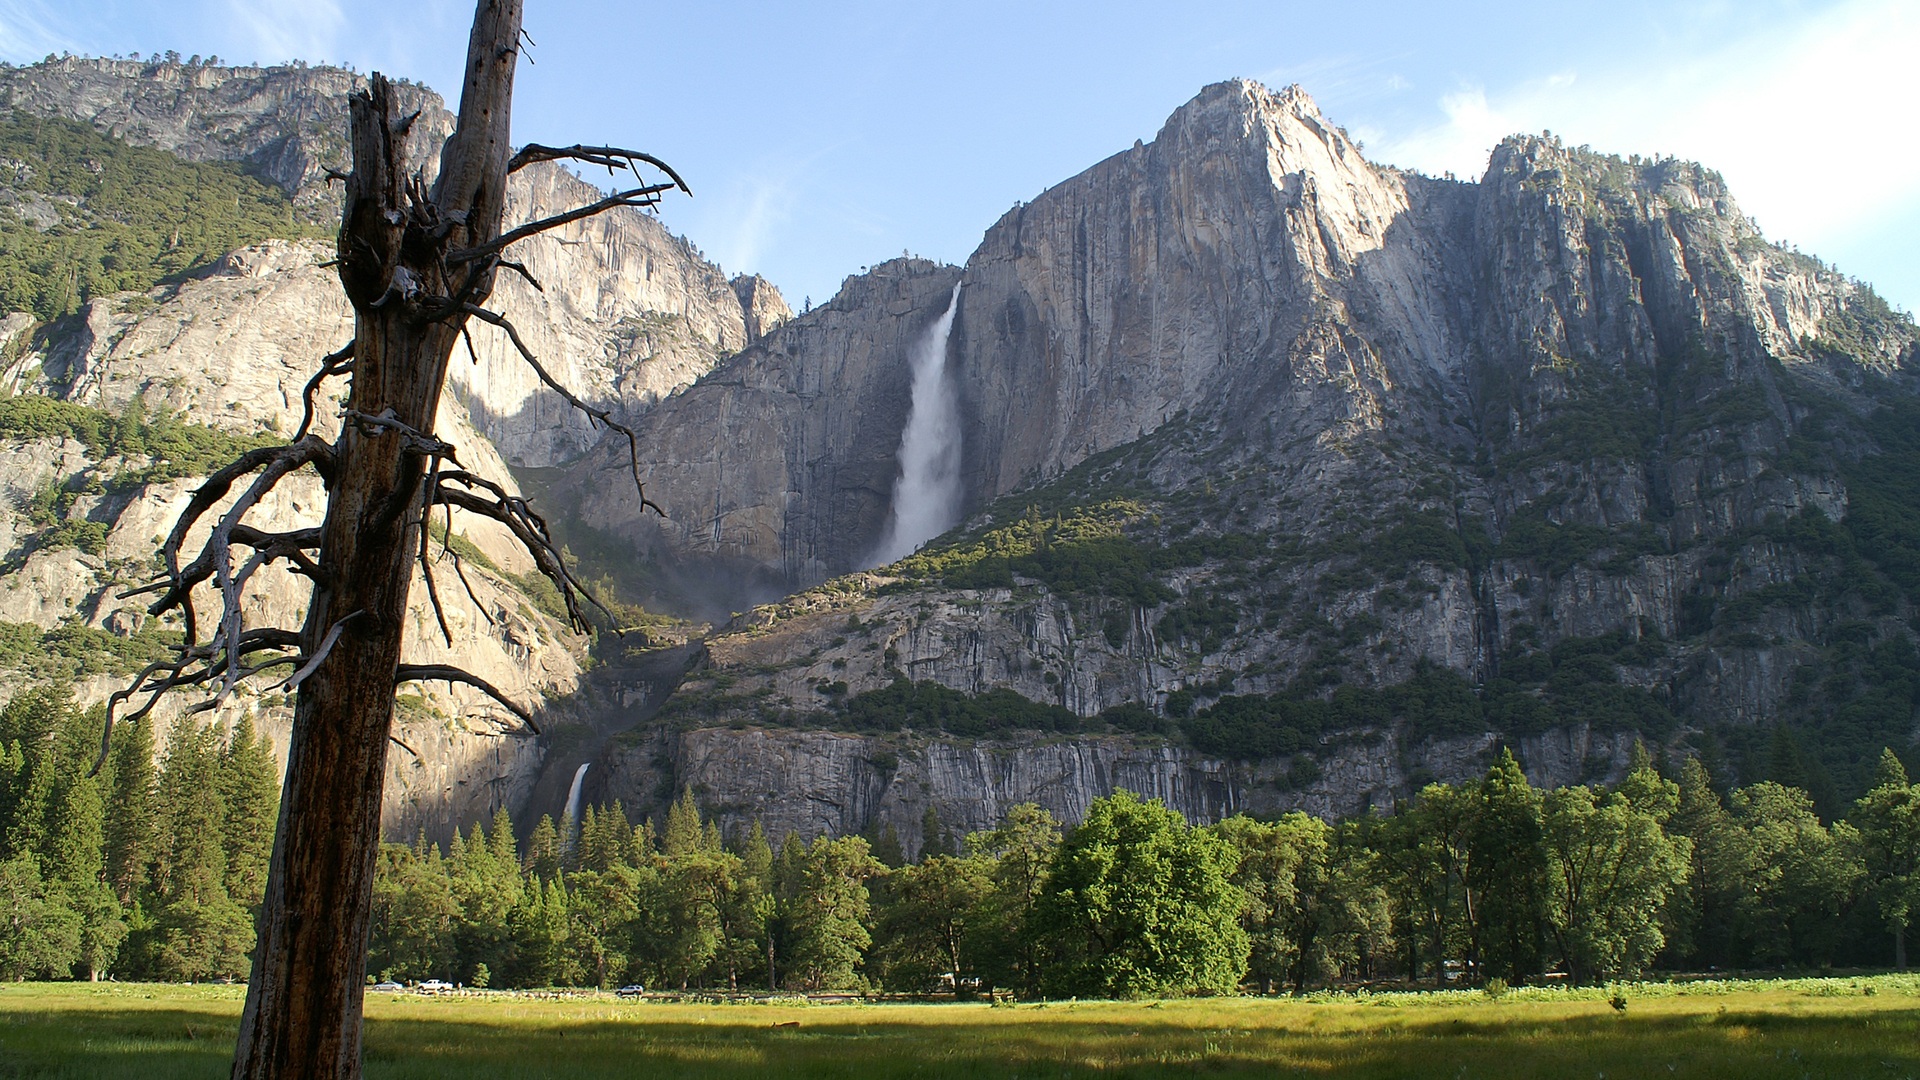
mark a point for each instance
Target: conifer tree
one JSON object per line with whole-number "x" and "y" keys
{"x": 544, "y": 859}
{"x": 1507, "y": 874}
{"x": 132, "y": 836}
{"x": 250, "y": 789}
{"x": 1020, "y": 852}
{"x": 747, "y": 911}
{"x": 198, "y": 930}
{"x": 828, "y": 915}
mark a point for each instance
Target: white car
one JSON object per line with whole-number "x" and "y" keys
{"x": 389, "y": 986}
{"x": 433, "y": 986}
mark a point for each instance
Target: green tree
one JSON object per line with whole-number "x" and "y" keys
{"x": 1720, "y": 900}
{"x": 544, "y": 858}
{"x": 1426, "y": 859}
{"x": 1506, "y": 874}
{"x": 39, "y": 935}
{"x": 198, "y": 930}
{"x": 132, "y": 829}
{"x": 827, "y": 914}
{"x": 1268, "y": 866}
{"x": 1017, "y": 855}
{"x": 1888, "y": 817}
{"x": 249, "y": 786}
{"x": 746, "y": 913}
{"x": 483, "y": 873}
{"x": 604, "y": 907}
{"x": 924, "y": 920}
{"x": 1138, "y": 903}
{"x": 542, "y": 932}
{"x": 1611, "y": 868}
{"x": 414, "y": 914}
{"x": 1804, "y": 877}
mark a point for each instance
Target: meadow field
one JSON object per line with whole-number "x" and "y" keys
{"x": 1866, "y": 1027}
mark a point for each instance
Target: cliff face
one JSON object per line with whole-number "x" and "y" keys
{"x": 626, "y": 312}
{"x": 779, "y": 465}
{"x": 232, "y": 350}
{"x": 1559, "y": 459}
{"x": 815, "y": 783}
{"x": 1252, "y": 416}
{"x": 286, "y": 124}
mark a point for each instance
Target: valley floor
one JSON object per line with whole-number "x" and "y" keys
{"x": 1846, "y": 1027}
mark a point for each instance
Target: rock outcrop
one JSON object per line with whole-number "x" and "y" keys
{"x": 626, "y": 313}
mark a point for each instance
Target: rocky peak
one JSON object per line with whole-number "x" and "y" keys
{"x": 287, "y": 124}
{"x": 761, "y": 304}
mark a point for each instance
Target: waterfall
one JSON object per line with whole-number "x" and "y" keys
{"x": 926, "y": 497}
{"x": 572, "y": 816}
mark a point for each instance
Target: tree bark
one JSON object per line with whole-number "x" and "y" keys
{"x": 303, "y": 1010}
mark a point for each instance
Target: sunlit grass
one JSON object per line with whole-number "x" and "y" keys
{"x": 1863, "y": 1027}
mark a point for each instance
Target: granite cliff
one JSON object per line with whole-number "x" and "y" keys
{"x": 1289, "y": 479}
{"x": 1250, "y": 422}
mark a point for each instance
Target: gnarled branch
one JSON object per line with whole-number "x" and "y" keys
{"x": 450, "y": 674}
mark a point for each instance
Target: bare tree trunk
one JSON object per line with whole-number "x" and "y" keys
{"x": 303, "y": 1011}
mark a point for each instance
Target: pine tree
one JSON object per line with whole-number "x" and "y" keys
{"x": 1507, "y": 875}
{"x": 250, "y": 790}
{"x": 828, "y": 914}
{"x": 747, "y": 911}
{"x": 1888, "y": 817}
{"x": 132, "y": 829}
{"x": 486, "y": 887}
{"x": 198, "y": 931}
{"x": 543, "y": 850}
{"x": 682, "y": 832}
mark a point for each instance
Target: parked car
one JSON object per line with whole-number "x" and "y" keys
{"x": 433, "y": 986}
{"x": 631, "y": 990}
{"x": 389, "y": 986}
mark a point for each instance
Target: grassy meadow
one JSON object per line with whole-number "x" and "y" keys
{"x": 1856, "y": 1028}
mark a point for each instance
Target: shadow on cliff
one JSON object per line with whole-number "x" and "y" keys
{"x": 615, "y": 698}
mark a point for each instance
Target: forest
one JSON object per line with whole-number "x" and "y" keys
{"x": 152, "y": 868}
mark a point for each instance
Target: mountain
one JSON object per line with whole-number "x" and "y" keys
{"x": 220, "y": 349}
{"x": 1307, "y": 480}
{"x": 1285, "y": 479}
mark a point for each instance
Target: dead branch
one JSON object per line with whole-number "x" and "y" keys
{"x": 336, "y": 363}
{"x": 648, "y": 195}
{"x": 426, "y": 539}
{"x": 530, "y": 530}
{"x": 192, "y": 664}
{"x": 274, "y": 463}
{"x": 319, "y": 655}
{"x": 611, "y": 158}
{"x": 601, "y": 416}
{"x": 450, "y": 674}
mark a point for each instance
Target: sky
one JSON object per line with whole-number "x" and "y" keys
{"x": 821, "y": 138}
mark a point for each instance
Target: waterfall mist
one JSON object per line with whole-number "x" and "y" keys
{"x": 926, "y": 497}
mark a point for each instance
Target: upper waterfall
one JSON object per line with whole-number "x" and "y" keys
{"x": 926, "y": 496}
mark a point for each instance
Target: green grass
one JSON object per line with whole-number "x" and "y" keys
{"x": 1867, "y": 1027}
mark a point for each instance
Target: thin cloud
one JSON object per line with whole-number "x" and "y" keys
{"x": 1809, "y": 122}
{"x": 289, "y": 29}
{"x": 28, "y": 32}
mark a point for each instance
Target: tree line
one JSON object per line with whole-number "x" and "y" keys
{"x": 1490, "y": 879}
{"x": 152, "y": 868}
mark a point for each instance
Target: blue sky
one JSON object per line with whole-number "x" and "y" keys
{"x": 820, "y": 138}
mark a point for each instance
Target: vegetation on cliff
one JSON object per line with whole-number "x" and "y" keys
{"x": 91, "y": 215}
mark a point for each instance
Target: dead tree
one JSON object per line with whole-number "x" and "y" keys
{"x": 417, "y": 262}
